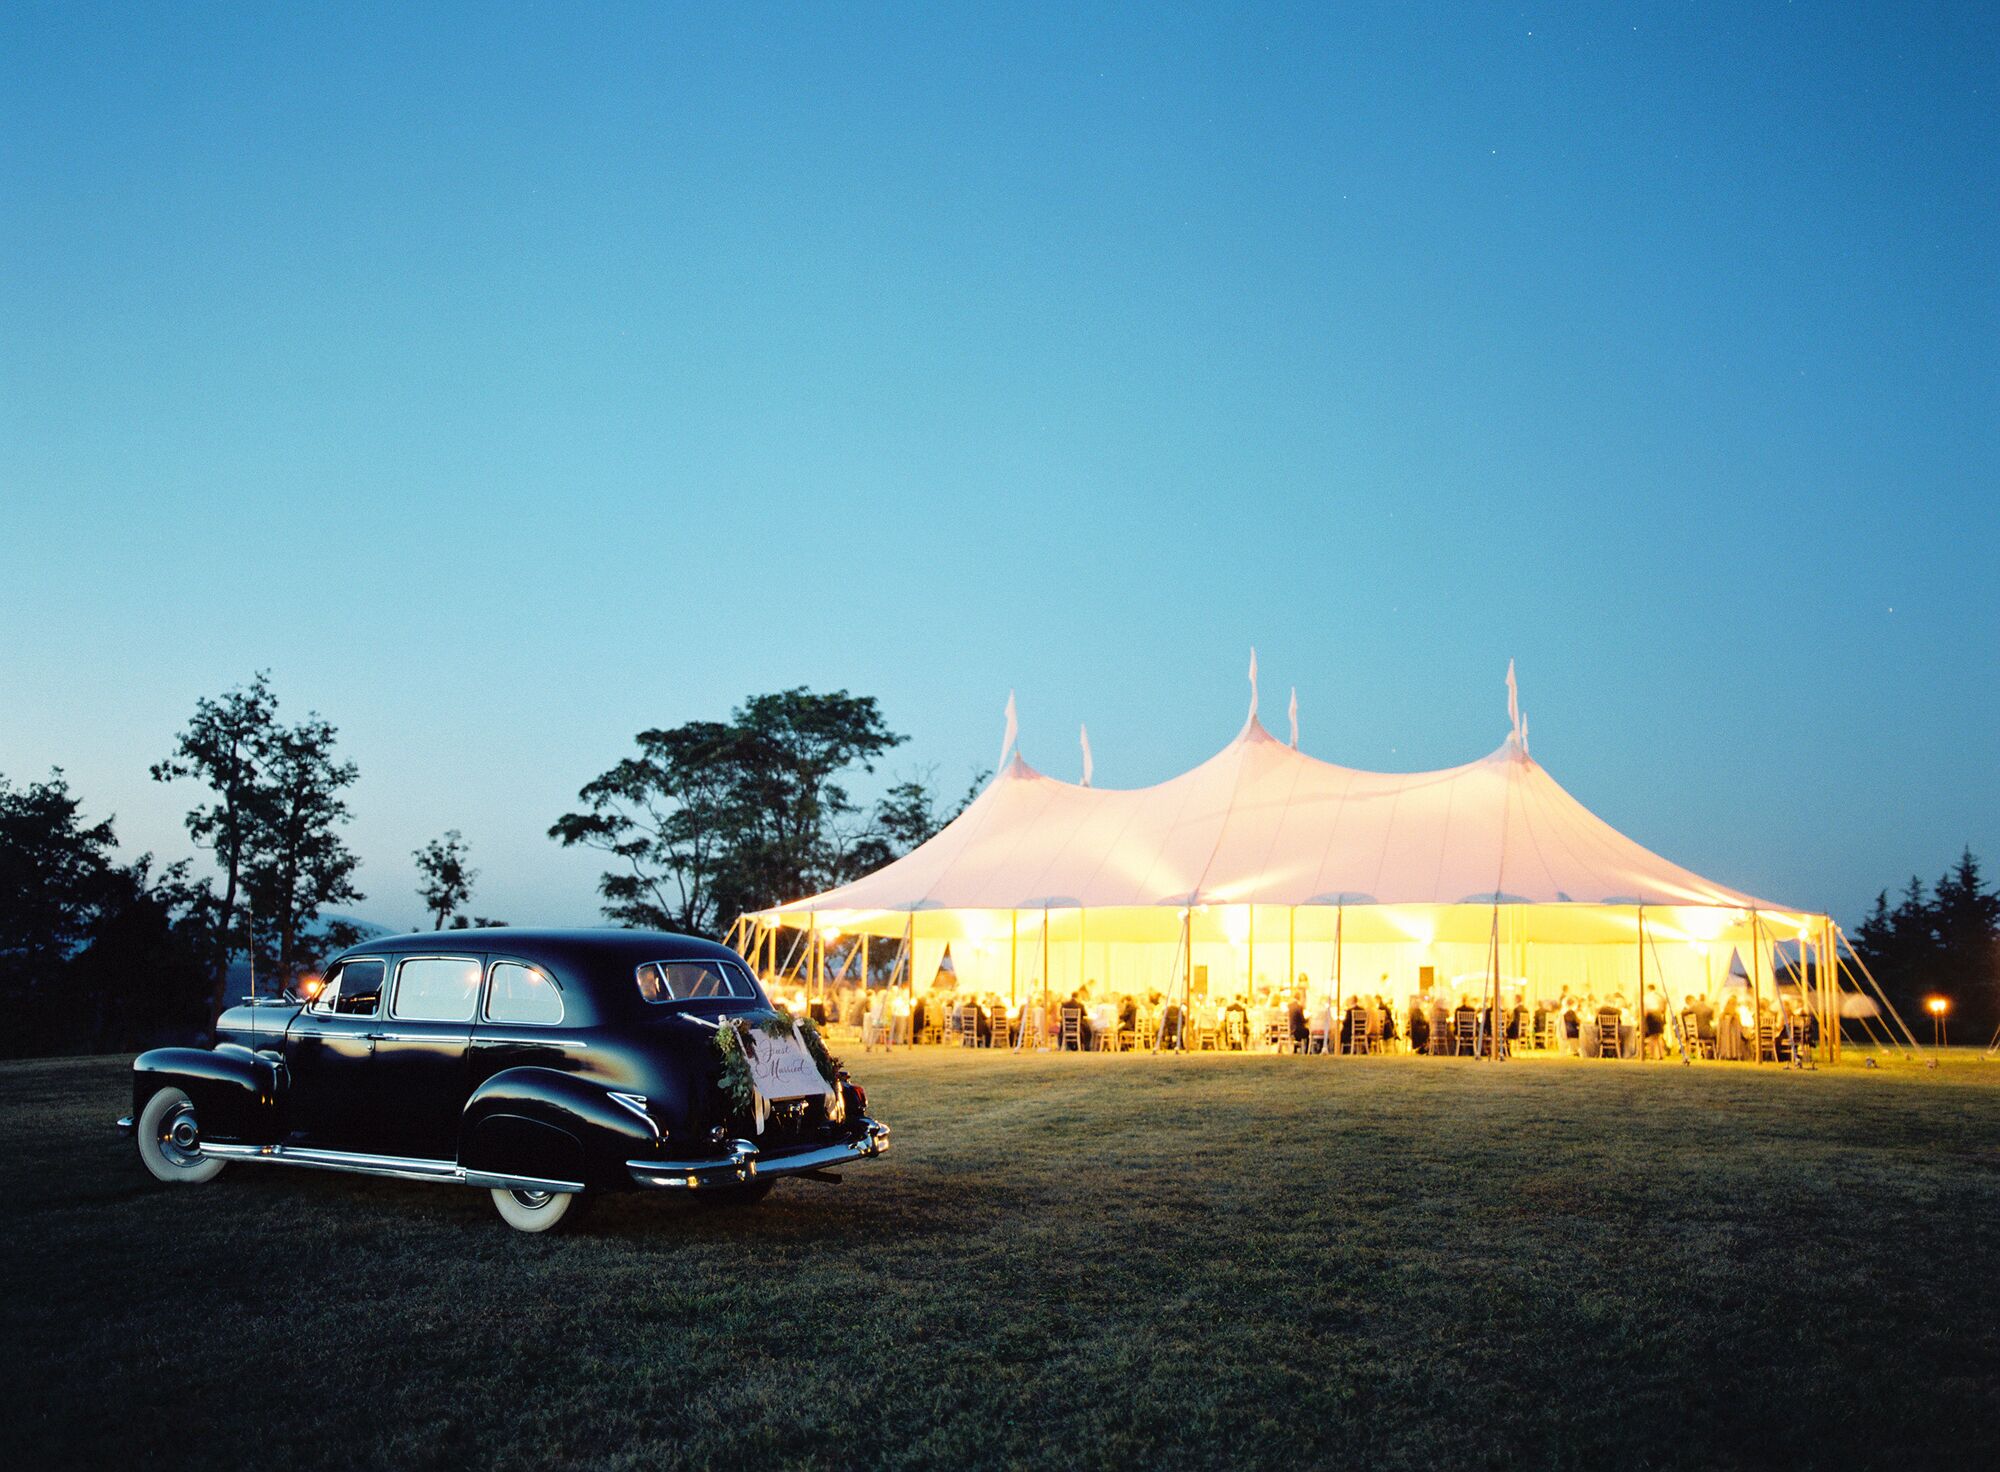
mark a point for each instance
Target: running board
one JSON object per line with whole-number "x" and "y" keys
{"x": 397, "y": 1167}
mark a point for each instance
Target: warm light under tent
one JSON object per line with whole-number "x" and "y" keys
{"x": 1263, "y": 864}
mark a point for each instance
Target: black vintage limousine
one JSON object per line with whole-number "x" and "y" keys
{"x": 537, "y": 1064}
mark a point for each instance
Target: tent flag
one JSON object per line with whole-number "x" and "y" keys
{"x": 1293, "y": 710}
{"x": 1013, "y": 730}
{"x": 1083, "y": 735}
{"x": 1253, "y": 682}
{"x": 1513, "y": 703}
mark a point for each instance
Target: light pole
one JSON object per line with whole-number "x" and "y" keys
{"x": 1937, "y": 1007}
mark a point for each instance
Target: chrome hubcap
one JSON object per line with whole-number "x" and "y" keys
{"x": 180, "y": 1140}
{"x": 533, "y": 1200}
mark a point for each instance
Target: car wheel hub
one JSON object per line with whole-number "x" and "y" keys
{"x": 180, "y": 1142}
{"x": 534, "y": 1200}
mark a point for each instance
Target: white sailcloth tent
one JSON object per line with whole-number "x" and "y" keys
{"x": 1264, "y": 868}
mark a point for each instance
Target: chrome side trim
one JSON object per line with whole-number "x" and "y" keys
{"x": 125, "y": 1126}
{"x": 744, "y": 1162}
{"x": 635, "y": 1104}
{"x": 397, "y": 1167}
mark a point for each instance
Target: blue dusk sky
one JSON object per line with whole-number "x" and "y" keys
{"x": 507, "y": 379}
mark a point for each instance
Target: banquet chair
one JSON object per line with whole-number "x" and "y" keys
{"x": 1767, "y": 1038}
{"x": 1693, "y": 1044}
{"x": 1357, "y": 1034}
{"x": 1235, "y": 1030}
{"x": 1206, "y": 1039}
{"x": 1608, "y": 1027}
{"x": 968, "y": 1027}
{"x": 1465, "y": 1032}
{"x": 1000, "y": 1026}
{"x": 1072, "y": 1029}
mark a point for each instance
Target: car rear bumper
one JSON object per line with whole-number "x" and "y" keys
{"x": 745, "y": 1163}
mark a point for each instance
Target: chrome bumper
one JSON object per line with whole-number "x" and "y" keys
{"x": 744, "y": 1163}
{"x": 125, "y": 1128}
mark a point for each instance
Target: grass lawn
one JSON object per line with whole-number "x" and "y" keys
{"x": 1068, "y": 1262}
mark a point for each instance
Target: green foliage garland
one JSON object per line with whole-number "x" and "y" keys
{"x": 736, "y": 1081}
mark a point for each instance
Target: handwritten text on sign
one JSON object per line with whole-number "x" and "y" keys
{"x": 781, "y": 1067}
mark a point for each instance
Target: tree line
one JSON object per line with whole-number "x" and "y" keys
{"x": 1945, "y": 941}
{"x": 700, "y": 823}
{"x": 704, "y": 821}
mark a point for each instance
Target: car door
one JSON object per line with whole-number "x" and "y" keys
{"x": 420, "y": 1079}
{"x": 329, "y": 1054}
{"x": 520, "y": 1023}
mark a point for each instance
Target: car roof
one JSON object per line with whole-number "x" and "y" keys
{"x": 585, "y": 948}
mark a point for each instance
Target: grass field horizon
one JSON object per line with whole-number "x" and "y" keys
{"x": 1071, "y": 1262}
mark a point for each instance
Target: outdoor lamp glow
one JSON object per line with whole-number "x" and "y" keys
{"x": 1937, "y": 1006}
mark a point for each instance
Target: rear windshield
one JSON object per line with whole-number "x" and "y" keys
{"x": 696, "y": 981}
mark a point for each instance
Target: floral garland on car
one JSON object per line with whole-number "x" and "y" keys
{"x": 737, "y": 1081}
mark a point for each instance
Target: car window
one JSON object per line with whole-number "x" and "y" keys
{"x": 518, "y": 993}
{"x": 353, "y": 990}
{"x": 437, "y": 989}
{"x": 687, "y": 981}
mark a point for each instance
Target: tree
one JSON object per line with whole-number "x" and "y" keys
{"x": 225, "y": 747}
{"x": 53, "y": 871}
{"x": 93, "y": 955}
{"x": 669, "y": 815}
{"x": 908, "y": 815}
{"x": 1946, "y": 942}
{"x": 714, "y": 818}
{"x": 795, "y": 745}
{"x": 445, "y": 879}
{"x": 297, "y": 863}
{"x": 1965, "y": 919}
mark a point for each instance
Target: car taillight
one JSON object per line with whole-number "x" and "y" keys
{"x": 860, "y": 1095}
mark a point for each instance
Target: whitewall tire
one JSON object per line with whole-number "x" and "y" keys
{"x": 170, "y": 1140}
{"x": 533, "y": 1211}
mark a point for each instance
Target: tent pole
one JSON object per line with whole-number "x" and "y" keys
{"x": 1829, "y": 965}
{"x": 1187, "y": 954}
{"x": 1014, "y": 956}
{"x": 1292, "y": 951}
{"x": 1082, "y": 950}
{"x": 1642, "y": 994}
{"x": 910, "y": 965}
{"x": 1756, "y": 991}
{"x": 1045, "y": 946}
{"x": 1493, "y": 1012}
{"x": 1339, "y": 945}
{"x": 1250, "y": 957}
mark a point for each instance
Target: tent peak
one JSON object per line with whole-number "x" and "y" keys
{"x": 1254, "y": 730}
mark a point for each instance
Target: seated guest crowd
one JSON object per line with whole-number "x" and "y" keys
{"x": 1305, "y": 1020}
